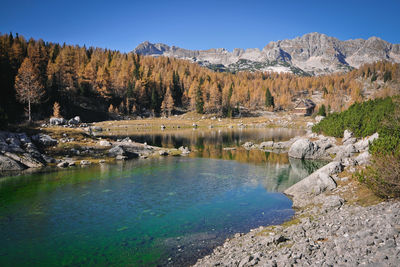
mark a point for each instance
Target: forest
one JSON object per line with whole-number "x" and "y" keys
{"x": 96, "y": 83}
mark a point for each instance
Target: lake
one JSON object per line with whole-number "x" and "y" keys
{"x": 148, "y": 212}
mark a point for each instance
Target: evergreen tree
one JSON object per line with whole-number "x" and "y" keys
{"x": 154, "y": 100}
{"x": 199, "y": 99}
{"x": 176, "y": 89}
{"x": 269, "y": 99}
{"x": 322, "y": 111}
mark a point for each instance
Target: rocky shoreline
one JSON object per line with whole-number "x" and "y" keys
{"x": 329, "y": 228}
{"x": 20, "y": 152}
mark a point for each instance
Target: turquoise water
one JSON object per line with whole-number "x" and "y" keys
{"x": 168, "y": 211}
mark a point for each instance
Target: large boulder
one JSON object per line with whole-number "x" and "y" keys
{"x": 248, "y": 145}
{"x": 345, "y": 151}
{"x": 104, "y": 143}
{"x": 121, "y": 151}
{"x": 303, "y": 149}
{"x": 57, "y": 121}
{"x": 314, "y": 184}
{"x": 363, "y": 158}
{"x": 363, "y": 144}
{"x": 7, "y": 164}
{"x": 44, "y": 140}
{"x": 347, "y": 135}
{"x": 25, "y": 159}
{"x": 266, "y": 145}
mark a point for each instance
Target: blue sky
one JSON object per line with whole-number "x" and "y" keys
{"x": 122, "y": 25}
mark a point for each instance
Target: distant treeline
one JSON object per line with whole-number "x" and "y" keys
{"x": 104, "y": 81}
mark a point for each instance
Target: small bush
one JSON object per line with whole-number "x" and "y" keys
{"x": 383, "y": 175}
{"x": 322, "y": 111}
{"x": 362, "y": 119}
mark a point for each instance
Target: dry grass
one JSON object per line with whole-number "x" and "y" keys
{"x": 202, "y": 121}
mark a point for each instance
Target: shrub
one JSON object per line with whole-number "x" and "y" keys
{"x": 382, "y": 116}
{"x": 362, "y": 119}
{"x": 322, "y": 110}
{"x": 383, "y": 176}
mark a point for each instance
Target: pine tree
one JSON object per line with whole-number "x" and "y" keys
{"x": 154, "y": 100}
{"x": 27, "y": 85}
{"x": 269, "y": 99}
{"x": 199, "y": 100}
{"x": 322, "y": 111}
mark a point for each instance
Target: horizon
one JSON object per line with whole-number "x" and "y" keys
{"x": 197, "y": 26}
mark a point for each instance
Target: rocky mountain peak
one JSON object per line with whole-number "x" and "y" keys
{"x": 313, "y": 53}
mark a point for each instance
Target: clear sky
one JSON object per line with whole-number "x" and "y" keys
{"x": 122, "y": 25}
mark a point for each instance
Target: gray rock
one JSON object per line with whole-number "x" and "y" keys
{"x": 363, "y": 158}
{"x": 120, "y": 157}
{"x": 44, "y": 140}
{"x": 123, "y": 150}
{"x": 350, "y": 141}
{"x": 163, "y": 153}
{"x": 303, "y": 149}
{"x": 184, "y": 150}
{"x": 346, "y": 135}
{"x": 26, "y": 159}
{"x": 63, "y": 164}
{"x": 314, "y": 184}
{"x": 104, "y": 143}
{"x": 319, "y": 118}
{"x": 349, "y": 162}
{"x": 363, "y": 144}
{"x": 332, "y": 202}
{"x": 49, "y": 159}
{"x": 248, "y": 145}
{"x": 8, "y": 164}
{"x": 266, "y": 145}
{"x": 73, "y": 121}
{"x": 85, "y": 162}
{"x": 57, "y": 121}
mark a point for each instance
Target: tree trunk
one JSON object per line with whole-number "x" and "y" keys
{"x": 29, "y": 110}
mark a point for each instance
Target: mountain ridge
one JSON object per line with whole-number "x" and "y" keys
{"x": 313, "y": 54}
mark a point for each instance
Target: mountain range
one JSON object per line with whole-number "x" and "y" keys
{"x": 310, "y": 54}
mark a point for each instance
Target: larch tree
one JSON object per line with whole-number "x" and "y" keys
{"x": 27, "y": 85}
{"x": 56, "y": 110}
{"x": 168, "y": 103}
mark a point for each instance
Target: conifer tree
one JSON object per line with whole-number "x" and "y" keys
{"x": 27, "y": 85}
{"x": 269, "y": 99}
{"x": 56, "y": 110}
{"x": 167, "y": 105}
{"x": 199, "y": 100}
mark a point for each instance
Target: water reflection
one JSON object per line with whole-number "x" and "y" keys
{"x": 199, "y": 138}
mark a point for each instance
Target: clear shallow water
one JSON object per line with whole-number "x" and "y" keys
{"x": 167, "y": 211}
